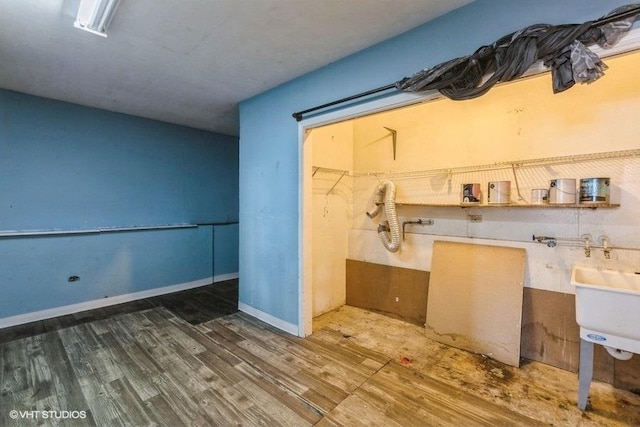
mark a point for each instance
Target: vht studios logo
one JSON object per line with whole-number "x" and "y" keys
{"x": 35, "y": 415}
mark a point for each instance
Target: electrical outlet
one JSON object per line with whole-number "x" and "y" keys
{"x": 475, "y": 218}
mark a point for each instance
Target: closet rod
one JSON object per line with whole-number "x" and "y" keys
{"x": 299, "y": 114}
{"x": 598, "y": 23}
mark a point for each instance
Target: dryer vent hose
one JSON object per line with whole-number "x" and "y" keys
{"x": 388, "y": 233}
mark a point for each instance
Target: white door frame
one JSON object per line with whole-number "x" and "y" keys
{"x": 305, "y": 303}
{"x": 629, "y": 43}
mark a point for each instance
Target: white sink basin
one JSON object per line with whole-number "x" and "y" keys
{"x": 608, "y": 307}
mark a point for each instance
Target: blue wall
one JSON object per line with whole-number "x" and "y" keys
{"x": 269, "y": 150}
{"x": 67, "y": 167}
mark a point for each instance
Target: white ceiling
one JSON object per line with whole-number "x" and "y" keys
{"x": 190, "y": 62}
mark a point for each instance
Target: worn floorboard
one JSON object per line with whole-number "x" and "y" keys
{"x": 536, "y": 391}
{"x": 148, "y": 365}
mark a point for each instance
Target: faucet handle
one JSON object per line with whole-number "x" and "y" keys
{"x": 587, "y": 244}
{"x": 606, "y": 246}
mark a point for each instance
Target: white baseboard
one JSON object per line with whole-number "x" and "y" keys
{"x": 225, "y": 277}
{"x": 271, "y": 320}
{"x": 21, "y": 319}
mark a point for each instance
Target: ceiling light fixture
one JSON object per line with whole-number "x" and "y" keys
{"x": 95, "y": 16}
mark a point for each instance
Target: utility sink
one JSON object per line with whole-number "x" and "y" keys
{"x": 608, "y": 307}
{"x": 608, "y": 313}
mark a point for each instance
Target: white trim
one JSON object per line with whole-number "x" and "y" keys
{"x": 628, "y": 43}
{"x": 267, "y": 318}
{"x": 225, "y": 277}
{"x": 34, "y": 316}
{"x": 305, "y": 292}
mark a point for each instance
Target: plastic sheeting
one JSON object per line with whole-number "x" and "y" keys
{"x": 563, "y": 48}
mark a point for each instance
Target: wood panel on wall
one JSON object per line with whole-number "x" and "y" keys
{"x": 394, "y": 291}
{"x": 551, "y": 335}
{"x": 626, "y": 374}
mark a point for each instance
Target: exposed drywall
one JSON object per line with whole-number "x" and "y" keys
{"x": 66, "y": 167}
{"x": 475, "y": 299}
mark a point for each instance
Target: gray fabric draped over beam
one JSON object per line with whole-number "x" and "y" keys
{"x": 563, "y": 48}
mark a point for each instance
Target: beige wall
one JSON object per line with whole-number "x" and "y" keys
{"x": 332, "y": 147}
{"x": 515, "y": 121}
{"x": 521, "y": 120}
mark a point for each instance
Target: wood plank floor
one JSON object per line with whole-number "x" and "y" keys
{"x": 151, "y": 367}
{"x": 194, "y": 306}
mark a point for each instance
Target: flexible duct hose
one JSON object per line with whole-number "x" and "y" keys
{"x": 389, "y": 233}
{"x": 377, "y": 202}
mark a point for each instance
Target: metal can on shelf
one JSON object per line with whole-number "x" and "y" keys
{"x": 594, "y": 190}
{"x": 499, "y": 192}
{"x": 562, "y": 191}
{"x": 471, "y": 194}
{"x": 539, "y": 196}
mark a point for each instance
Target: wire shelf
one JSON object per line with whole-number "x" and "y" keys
{"x": 547, "y": 161}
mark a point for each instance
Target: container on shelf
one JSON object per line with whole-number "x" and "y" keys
{"x": 471, "y": 194}
{"x": 539, "y": 196}
{"x": 562, "y": 191}
{"x": 594, "y": 190}
{"x": 499, "y": 192}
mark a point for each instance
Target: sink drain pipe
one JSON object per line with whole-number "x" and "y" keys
{"x": 618, "y": 354}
